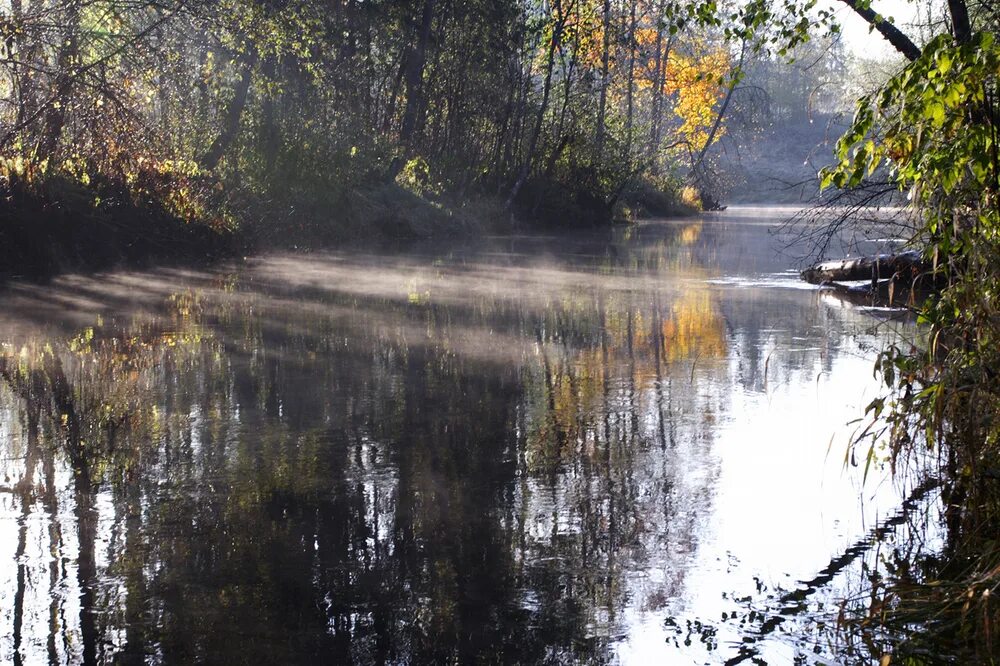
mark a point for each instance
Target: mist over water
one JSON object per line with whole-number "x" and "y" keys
{"x": 617, "y": 446}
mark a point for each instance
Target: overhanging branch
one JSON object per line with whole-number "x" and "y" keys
{"x": 892, "y": 34}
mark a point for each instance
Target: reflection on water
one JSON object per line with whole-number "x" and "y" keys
{"x": 616, "y": 446}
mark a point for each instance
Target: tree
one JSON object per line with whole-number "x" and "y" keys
{"x": 933, "y": 127}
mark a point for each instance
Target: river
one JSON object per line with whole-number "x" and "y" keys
{"x": 623, "y": 445}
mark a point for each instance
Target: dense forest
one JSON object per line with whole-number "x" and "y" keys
{"x": 225, "y": 114}
{"x": 131, "y": 128}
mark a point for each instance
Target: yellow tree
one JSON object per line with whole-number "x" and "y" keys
{"x": 696, "y": 82}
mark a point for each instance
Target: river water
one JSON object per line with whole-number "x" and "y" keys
{"x": 623, "y": 446}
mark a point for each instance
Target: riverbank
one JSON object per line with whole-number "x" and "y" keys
{"x": 50, "y": 225}
{"x": 56, "y": 223}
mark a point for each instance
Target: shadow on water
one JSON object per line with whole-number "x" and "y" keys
{"x": 526, "y": 450}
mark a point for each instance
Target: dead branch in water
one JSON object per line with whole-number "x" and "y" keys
{"x": 905, "y": 267}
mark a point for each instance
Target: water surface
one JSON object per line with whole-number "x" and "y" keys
{"x": 622, "y": 445}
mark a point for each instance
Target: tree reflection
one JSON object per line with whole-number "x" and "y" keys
{"x": 299, "y": 460}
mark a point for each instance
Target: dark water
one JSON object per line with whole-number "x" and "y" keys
{"x": 619, "y": 446}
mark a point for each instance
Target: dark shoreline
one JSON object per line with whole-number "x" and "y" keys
{"x": 54, "y": 230}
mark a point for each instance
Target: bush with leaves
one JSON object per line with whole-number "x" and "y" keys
{"x": 935, "y": 125}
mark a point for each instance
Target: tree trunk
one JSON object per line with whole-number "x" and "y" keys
{"x": 22, "y": 64}
{"x": 231, "y": 125}
{"x": 630, "y": 93}
{"x": 390, "y": 112}
{"x": 414, "y": 76}
{"x": 697, "y": 163}
{"x": 525, "y": 170}
{"x": 270, "y": 135}
{"x": 603, "y": 100}
{"x": 54, "y": 118}
{"x": 960, "y": 24}
{"x": 659, "y": 80}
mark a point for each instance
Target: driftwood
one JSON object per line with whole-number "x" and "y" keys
{"x": 905, "y": 268}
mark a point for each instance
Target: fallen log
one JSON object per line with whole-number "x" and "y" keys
{"x": 904, "y": 267}
{"x": 883, "y": 294}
